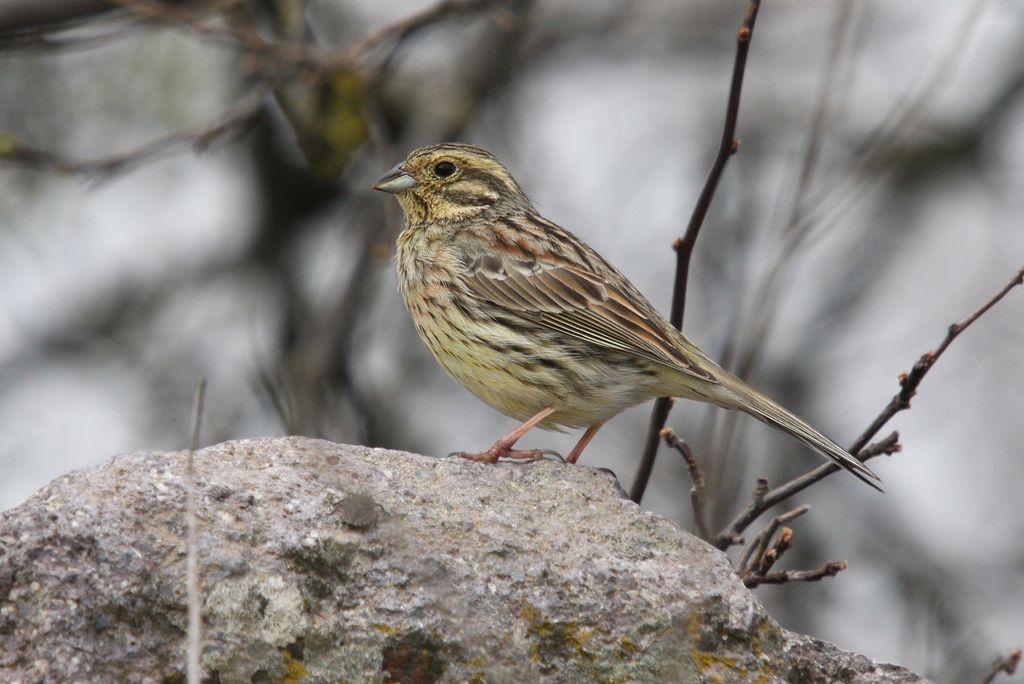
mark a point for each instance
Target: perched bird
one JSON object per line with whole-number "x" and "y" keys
{"x": 536, "y": 323}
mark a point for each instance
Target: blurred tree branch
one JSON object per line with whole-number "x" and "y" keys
{"x": 235, "y": 122}
{"x": 274, "y": 60}
{"x": 32, "y": 15}
{"x": 331, "y": 102}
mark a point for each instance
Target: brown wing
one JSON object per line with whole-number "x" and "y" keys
{"x": 574, "y": 301}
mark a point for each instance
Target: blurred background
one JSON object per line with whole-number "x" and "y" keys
{"x": 184, "y": 193}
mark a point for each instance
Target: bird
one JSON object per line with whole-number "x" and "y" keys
{"x": 535, "y": 322}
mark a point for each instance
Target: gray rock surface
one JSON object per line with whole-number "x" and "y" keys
{"x": 330, "y": 563}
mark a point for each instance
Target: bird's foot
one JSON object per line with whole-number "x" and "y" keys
{"x": 501, "y": 449}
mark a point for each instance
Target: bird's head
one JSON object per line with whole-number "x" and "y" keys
{"x": 451, "y": 182}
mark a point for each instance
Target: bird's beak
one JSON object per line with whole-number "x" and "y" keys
{"x": 394, "y": 181}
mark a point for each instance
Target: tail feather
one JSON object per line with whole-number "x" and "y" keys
{"x": 754, "y": 403}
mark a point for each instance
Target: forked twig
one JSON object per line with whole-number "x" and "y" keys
{"x": 755, "y": 566}
{"x": 754, "y": 553}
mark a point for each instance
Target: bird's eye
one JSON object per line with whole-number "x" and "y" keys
{"x": 444, "y": 169}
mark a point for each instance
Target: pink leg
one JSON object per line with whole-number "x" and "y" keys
{"x": 584, "y": 441}
{"x": 503, "y": 447}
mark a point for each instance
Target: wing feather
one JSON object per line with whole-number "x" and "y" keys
{"x": 574, "y": 301}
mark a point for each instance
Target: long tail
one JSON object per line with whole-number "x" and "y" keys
{"x": 752, "y": 402}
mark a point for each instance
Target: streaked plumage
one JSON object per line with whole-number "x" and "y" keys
{"x": 536, "y": 323}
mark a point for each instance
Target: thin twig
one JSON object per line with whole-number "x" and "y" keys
{"x": 890, "y": 444}
{"x": 830, "y": 569}
{"x": 910, "y": 381}
{"x": 771, "y": 556}
{"x": 192, "y": 559}
{"x": 684, "y": 246}
{"x": 1006, "y": 665}
{"x": 754, "y": 552}
{"x": 659, "y": 416}
{"x": 698, "y": 498}
{"x": 781, "y": 545}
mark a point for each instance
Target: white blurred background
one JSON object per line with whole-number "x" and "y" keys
{"x": 268, "y": 273}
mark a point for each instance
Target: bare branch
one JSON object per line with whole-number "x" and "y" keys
{"x": 698, "y": 499}
{"x": 771, "y": 556}
{"x": 1006, "y": 664}
{"x": 754, "y": 553}
{"x": 781, "y": 545}
{"x": 684, "y": 246}
{"x": 727, "y": 147}
{"x": 830, "y": 569}
{"x": 878, "y": 152}
{"x": 754, "y": 568}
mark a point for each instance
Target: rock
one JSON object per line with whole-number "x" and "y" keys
{"x": 329, "y": 563}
